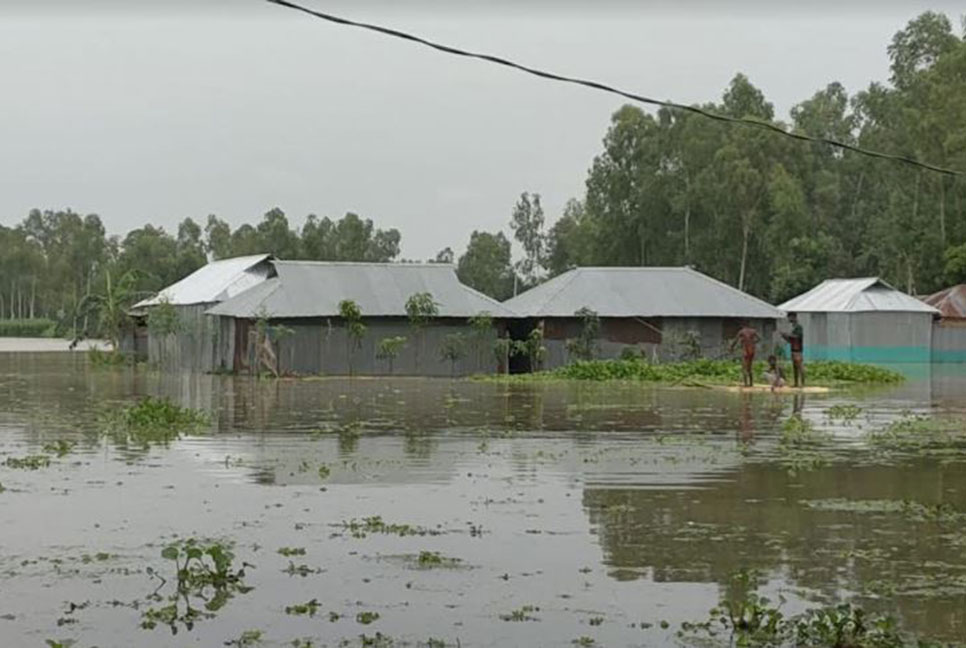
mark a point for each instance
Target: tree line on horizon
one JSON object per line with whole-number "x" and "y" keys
{"x": 765, "y": 213}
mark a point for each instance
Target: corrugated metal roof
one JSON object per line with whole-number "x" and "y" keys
{"x": 214, "y": 282}
{"x": 314, "y": 289}
{"x": 855, "y": 295}
{"x": 639, "y": 292}
{"x": 950, "y": 302}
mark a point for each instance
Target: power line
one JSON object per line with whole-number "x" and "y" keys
{"x": 596, "y": 85}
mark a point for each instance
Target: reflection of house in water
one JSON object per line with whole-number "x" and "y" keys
{"x": 757, "y": 519}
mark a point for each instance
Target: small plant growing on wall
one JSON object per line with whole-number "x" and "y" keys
{"x": 502, "y": 350}
{"x": 389, "y": 348}
{"x": 534, "y": 348}
{"x": 482, "y": 325}
{"x": 421, "y": 308}
{"x": 263, "y": 343}
{"x": 350, "y": 312}
{"x": 453, "y": 348}
{"x": 163, "y": 321}
{"x": 585, "y": 345}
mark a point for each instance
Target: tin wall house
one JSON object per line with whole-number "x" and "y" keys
{"x": 863, "y": 320}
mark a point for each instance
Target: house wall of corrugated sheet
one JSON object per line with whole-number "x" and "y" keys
{"x": 881, "y": 337}
{"x": 192, "y": 348}
{"x": 322, "y": 346}
{"x": 658, "y": 339}
{"x": 949, "y": 341}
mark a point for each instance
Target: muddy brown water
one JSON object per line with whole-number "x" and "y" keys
{"x": 608, "y": 509}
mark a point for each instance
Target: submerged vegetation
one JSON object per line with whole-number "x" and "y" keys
{"x": 746, "y": 618}
{"x": 153, "y": 420}
{"x": 204, "y": 581}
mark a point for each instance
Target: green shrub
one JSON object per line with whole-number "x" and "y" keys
{"x": 38, "y": 327}
{"x": 717, "y": 371}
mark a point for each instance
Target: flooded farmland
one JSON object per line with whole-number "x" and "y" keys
{"x": 435, "y": 512}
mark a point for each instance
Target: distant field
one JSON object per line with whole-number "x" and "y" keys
{"x": 34, "y": 345}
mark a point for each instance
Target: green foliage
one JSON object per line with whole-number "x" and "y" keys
{"x": 524, "y": 613}
{"x": 717, "y": 371}
{"x": 421, "y": 308}
{"x": 527, "y": 224}
{"x": 773, "y": 216}
{"x": 351, "y": 314}
{"x": 163, "y": 318}
{"x": 366, "y": 617}
{"x": 309, "y": 608}
{"x": 153, "y": 420}
{"x": 389, "y": 348}
{"x": 29, "y": 462}
{"x": 747, "y": 618}
{"x": 586, "y": 345}
{"x": 204, "y": 575}
{"x": 247, "y": 639}
{"x": 534, "y": 349}
{"x": 375, "y": 524}
{"x": 486, "y": 265}
{"x": 453, "y": 348}
{"x": 37, "y": 327}
{"x": 288, "y": 552}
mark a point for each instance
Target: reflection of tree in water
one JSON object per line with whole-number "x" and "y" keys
{"x": 758, "y": 520}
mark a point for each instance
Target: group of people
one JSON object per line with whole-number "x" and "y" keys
{"x": 749, "y": 338}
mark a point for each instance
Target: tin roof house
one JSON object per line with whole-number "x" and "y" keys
{"x": 662, "y": 313}
{"x": 192, "y": 345}
{"x": 301, "y": 301}
{"x": 863, "y": 320}
{"x": 949, "y": 331}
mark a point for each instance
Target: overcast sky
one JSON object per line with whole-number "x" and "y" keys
{"x": 147, "y": 111}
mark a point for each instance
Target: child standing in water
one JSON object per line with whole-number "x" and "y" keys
{"x": 774, "y": 374}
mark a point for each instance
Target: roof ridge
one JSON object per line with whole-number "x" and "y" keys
{"x": 392, "y": 264}
{"x": 728, "y": 286}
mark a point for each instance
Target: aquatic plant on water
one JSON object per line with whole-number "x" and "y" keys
{"x": 204, "y": 581}
{"x": 153, "y": 420}
{"x": 744, "y": 617}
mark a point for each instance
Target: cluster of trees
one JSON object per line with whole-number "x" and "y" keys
{"x": 768, "y": 214}
{"x": 55, "y": 264}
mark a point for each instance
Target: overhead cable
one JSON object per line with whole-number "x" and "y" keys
{"x": 596, "y": 85}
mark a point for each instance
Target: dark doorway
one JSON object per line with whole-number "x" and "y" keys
{"x": 519, "y": 330}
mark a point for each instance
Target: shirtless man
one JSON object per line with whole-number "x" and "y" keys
{"x": 748, "y": 338}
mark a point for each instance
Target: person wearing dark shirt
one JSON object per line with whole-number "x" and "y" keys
{"x": 796, "y": 343}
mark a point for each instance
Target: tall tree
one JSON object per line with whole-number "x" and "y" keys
{"x": 486, "y": 265}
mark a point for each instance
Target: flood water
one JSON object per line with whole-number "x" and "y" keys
{"x": 560, "y": 511}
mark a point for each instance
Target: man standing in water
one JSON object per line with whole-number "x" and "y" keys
{"x": 796, "y": 342}
{"x": 748, "y": 337}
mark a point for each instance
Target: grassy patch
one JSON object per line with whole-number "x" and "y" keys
{"x": 820, "y": 373}
{"x": 309, "y": 608}
{"x": 433, "y": 559}
{"x": 37, "y": 327}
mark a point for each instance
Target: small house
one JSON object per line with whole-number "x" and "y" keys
{"x": 658, "y": 313}
{"x": 949, "y": 330}
{"x": 863, "y": 320}
{"x": 295, "y": 316}
{"x": 189, "y": 342}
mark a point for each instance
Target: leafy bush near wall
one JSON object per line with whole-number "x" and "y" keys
{"x": 39, "y": 327}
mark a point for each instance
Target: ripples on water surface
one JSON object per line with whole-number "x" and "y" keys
{"x": 606, "y": 508}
